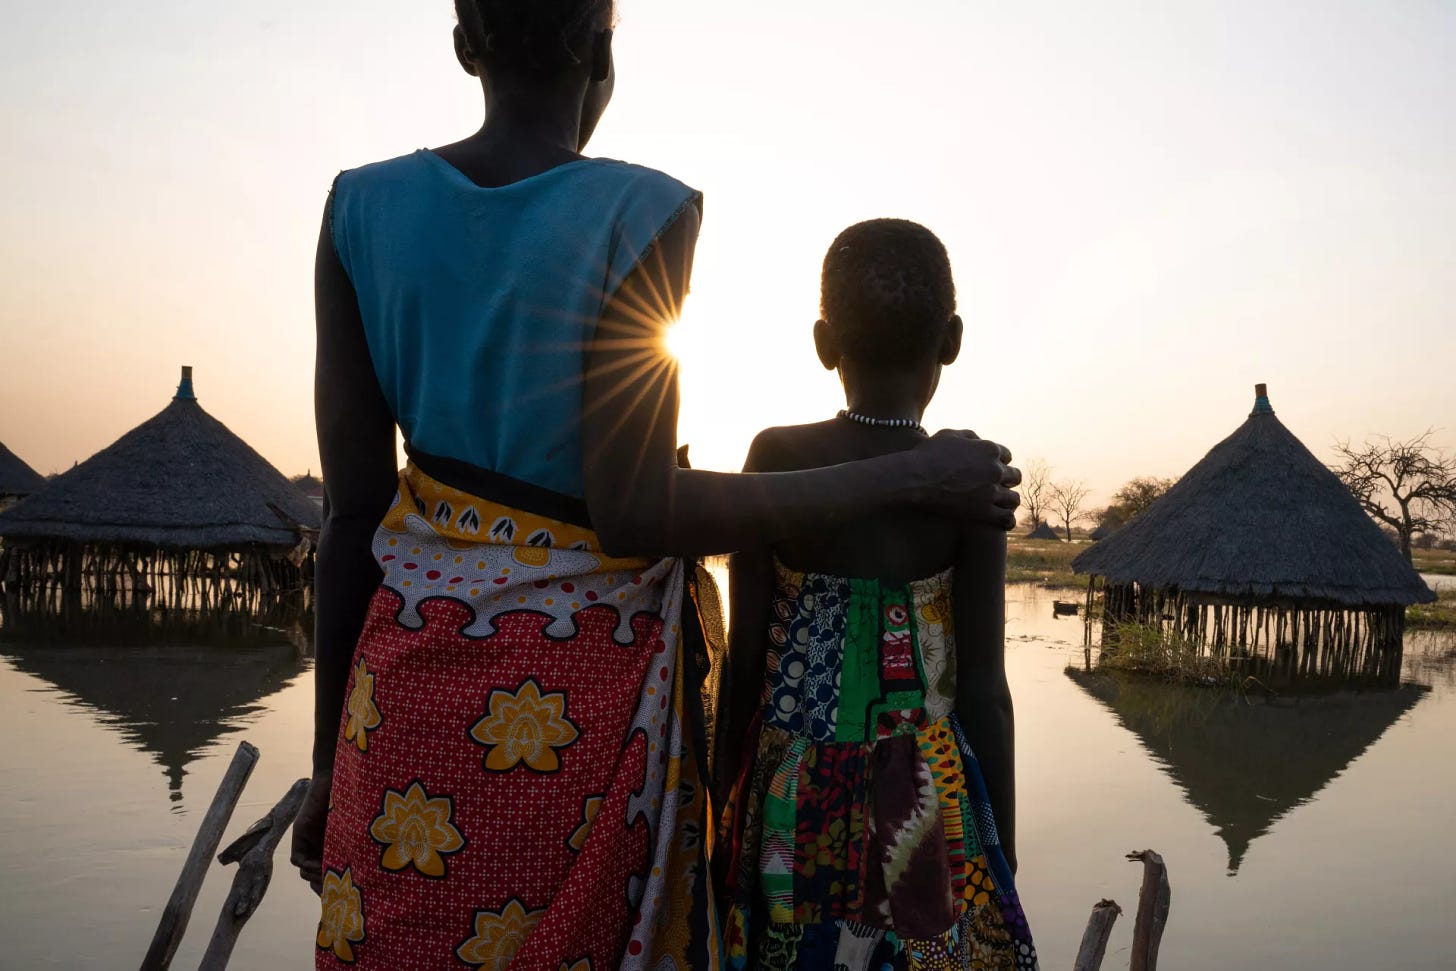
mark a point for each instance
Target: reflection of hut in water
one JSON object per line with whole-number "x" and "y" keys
{"x": 1044, "y": 531}
{"x": 17, "y": 480}
{"x": 1243, "y": 763}
{"x": 1262, "y": 553}
{"x": 169, "y": 702}
{"x": 178, "y": 513}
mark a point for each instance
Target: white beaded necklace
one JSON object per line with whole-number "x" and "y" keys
{"x": 883, "y": 422}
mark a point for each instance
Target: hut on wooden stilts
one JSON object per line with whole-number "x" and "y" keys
{"x": 178, "y": 514}
{"x": 1261, "y": 554}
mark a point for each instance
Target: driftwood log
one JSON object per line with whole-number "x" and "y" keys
{"x": 179, "y": 907}
{"x": 1094, "y": 938}
{"x": 253, "y": 852}
{"x": 1154, "y": 899}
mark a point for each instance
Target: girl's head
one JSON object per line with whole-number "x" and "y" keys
{"x": 541, "y": 47}
{"x": 887, "y": 301}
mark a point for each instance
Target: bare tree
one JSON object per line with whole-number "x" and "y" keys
{"x": 1408, "y": 485}
{"x": 1036, "y": 484}
{"x": 1067, "y": 499}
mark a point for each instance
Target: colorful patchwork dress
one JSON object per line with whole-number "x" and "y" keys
{"x": 860, "y": 831}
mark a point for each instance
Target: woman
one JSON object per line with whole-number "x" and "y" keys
{"x": 504, "y": 749}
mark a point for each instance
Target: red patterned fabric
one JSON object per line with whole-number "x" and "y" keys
{"x": 515, "y": 782}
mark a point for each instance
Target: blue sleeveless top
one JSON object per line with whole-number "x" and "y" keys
{"x": 480, "y": 304}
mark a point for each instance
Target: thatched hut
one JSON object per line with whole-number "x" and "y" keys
{"x": 1261, "y": 551}
{"x": 17, "y": 480}
{"x": 1044, "y": 531}
{"x": 179, "y": 512}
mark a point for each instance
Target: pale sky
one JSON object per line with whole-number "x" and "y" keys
{"x": 1149, "y": 207}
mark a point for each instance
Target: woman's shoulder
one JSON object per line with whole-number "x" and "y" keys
{"x": 395, "y": 169}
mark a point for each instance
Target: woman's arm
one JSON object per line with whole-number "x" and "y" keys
{"x": 642, "y": 503}
{"x": 983, "y": 698}
{"x": 356, "y": 435}
{"x": 356, "y": 448}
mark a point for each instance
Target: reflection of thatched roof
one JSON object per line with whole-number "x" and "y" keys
{"x": 1259, "y": 517}
{"x": 179, "y": 480}
{"x": 169, "y": 702}
{"x": 17, "y": 478}
{"x": 1043, "y": 531}
{"x": 1244, "y": 764}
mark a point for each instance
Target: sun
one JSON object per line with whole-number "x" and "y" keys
{"x": 682, "y": 340}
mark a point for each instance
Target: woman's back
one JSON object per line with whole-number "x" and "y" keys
{"x": 479, "y": 304}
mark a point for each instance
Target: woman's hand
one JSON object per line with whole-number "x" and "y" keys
{"x": 308, "y": 830}
{"x": 963, "y": 477}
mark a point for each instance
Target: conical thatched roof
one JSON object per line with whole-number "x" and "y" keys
{"x": 1259, "y": 517}
{"x": 1100, "y": 533}
{"x": 1043, "y": 531}
{"x": 180, "y": 480}
{"x": 1246, "y": 763}
{"x": 17, "y": 478}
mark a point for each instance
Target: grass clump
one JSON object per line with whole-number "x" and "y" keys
{"x": 1165, "y": 654}
{"x": 1043, "y": 562}
{"x": 1442, "y": 562}
{"x": 1440, "y": 615}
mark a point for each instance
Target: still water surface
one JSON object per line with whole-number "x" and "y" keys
{"x": 1303, "y": 834}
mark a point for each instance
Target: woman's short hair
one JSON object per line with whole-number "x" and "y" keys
{"x": 538, "y": 38}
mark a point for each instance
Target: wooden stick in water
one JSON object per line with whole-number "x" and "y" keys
{"x": 253, "y": 852}
{"x": 1154, "y": 899}
{"x": 209, "y": 834}
{"x": 1094, "y": 938}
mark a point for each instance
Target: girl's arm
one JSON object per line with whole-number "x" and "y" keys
{"x": 642, "y": 503}
{"x": 983, "y": 698}
{"x": 750, "y": 598}
{"x": 356, "y": 447}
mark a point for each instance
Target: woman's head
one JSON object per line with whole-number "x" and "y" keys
{"x": 887, "y": 298}
{"x": 542, "y": 46}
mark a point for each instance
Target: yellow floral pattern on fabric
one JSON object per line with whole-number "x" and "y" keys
{"x": 583, "y": 965}
{"x": 415, "y": 830}
{"x": 364, "y": 715}
{"x": 526, "y": 727}
{"x": 498, "y": 936}
{"x": 341, "y": 925}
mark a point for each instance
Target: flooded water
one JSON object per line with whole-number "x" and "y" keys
{"x": 1299, "y": 834}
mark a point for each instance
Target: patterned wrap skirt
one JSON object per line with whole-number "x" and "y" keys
{"x": 860, "y": 831}
{"x": 517, "y": 780}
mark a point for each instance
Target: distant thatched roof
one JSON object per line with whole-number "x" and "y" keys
{"x": 1259, "y": 517}
{"x": 1101, "y": 532}
{"x": 179, "y": 480}
{"x": 17, "y": 478}
{"x": 1044, "y": 531}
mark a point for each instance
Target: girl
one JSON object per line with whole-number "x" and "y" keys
{"x": 865, "y": 666}
{"x": 505, "y": 753}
